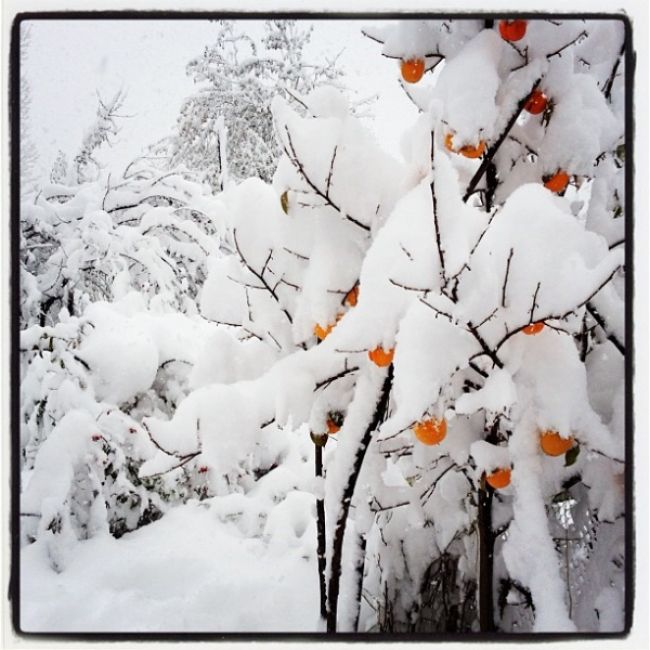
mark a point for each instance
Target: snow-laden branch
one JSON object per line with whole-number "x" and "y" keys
{"x": 295, "y": 160}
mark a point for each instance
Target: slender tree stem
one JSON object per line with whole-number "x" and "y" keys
{"x": 320, "y": 532}
{"x": 348, "y": 493}
{"x": 495, "y": 147}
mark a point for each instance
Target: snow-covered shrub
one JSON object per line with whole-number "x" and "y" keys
{"x": 150, "y": 232}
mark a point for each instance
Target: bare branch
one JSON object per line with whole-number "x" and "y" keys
{"x": 259, "y": 277}
{"x": 329, "y": 176}
{"x": 558, "y": 52}
{"x": 505, "y": 280}
{"x": 293, "y": 157}
{"x": 532, "y": 307}
{"x": 408, "y": 288}
{"x": 449, "y": 317}
{"x": 326, "y": 382}
{"x": 491, "y": 152}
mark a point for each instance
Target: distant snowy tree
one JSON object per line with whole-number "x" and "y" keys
{"x": 226, "y": 127}
{"x": 28, "y": 151}
{"x": 60, "y": 172}
{"x": 86, "y": 166}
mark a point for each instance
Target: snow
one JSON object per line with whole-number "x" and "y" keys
{"x": 124, "y": 359}
{"x": 185, "y": 573}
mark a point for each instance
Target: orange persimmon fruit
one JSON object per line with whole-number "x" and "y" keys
{"x": 533, "y": 328}
{"x": 412, "y": 70}
{"x": 553, "y": 444}
{"x": 469, "y": 151}
{"x": 352, "y": 296}
{"x": 499, "y": 479}
{"x": 536, "y": 103}
{"x": 557, "y": 182}
{"x": 431, "y": 432}
{"x": 381, "y": 357}
{"x": 512, "y": 30}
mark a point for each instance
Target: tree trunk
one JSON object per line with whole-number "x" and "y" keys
{"x": 486, "y": 558}
{"x": 348, "y": 492}
{"x": 320, "y": 532}
{"x": 359, "y": 571}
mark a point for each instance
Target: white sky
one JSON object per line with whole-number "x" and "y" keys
{"x": 68, "y": 61}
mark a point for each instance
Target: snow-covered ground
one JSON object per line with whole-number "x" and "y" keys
{"x": 187, "y": 572}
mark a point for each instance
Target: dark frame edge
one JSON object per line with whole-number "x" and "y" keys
{"x": 14, "y": 281}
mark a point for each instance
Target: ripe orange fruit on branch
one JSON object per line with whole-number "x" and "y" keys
{"x": 334, "y": 421}
{"x": 468, "y": 150}
{"x": 553, "y": 444}
{"x": 533, "y": 328}
{"x": 332, "y": 427}
{"x": 381, "y": 357}
{"x": 431, "y": 432}
{"x": 322, "y": 332}
{"x": 352, "y": 296}
{"x": 512, "y": 30}
{"x": 557, "y": 182}
{"x": 499, "y": 478}
{"x": 412, "y": 70}
{"x": 537, "y": 102}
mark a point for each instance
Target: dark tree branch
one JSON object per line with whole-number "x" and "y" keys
{"x": 329, "y": 176}
{"x": 595, "y": 314}
{"x": 505, "y": 280}
{"x": 407, "y": 287}
{"x": 449, "y": 317}
{"x": 441, "y": 256}
{"x": 259, "y": 277}
{"x": 326, "y": 382}
{"x": 484, "y": 346}
{"x": 558, "y": 52}
{"x": 511, "y": 333}
{"x": 320, "y": 534}
{"x": 532, "y": 307}
{"x": 184, "y": 460}
{"x": 607, "y": 88}
{"x": 488, "y": 317}
{"x": 495, "y": 147}
{"x": 406, "y": 252}
{"x": 293, "y": 157}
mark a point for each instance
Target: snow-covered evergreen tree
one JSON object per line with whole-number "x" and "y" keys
{"x": 225, "y": 129}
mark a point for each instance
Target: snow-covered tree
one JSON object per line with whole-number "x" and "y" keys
{"x": 225, "y": 129}
{"x": 468, "y": 304}
{"x": 110, "y": 272}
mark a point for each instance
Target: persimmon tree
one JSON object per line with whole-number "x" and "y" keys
{"x": 487, "y": 276}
